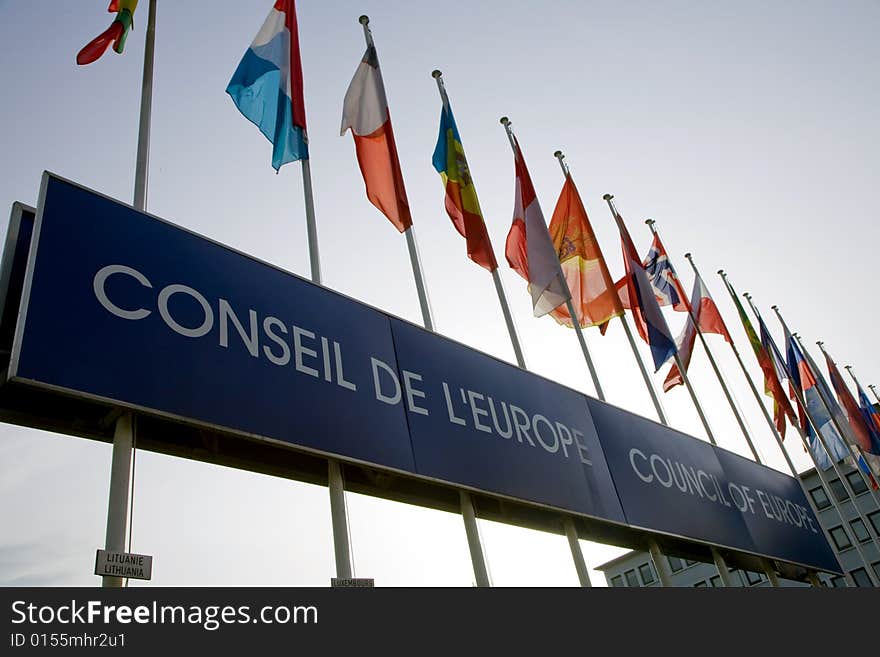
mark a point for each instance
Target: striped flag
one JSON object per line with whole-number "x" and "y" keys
{"x": 860, "y": 429}
{"x": 872, "y": 419}
{"x": 462, "y": 204}
{"x": 267, "y": 86}
{"x": 805, "y": 380}
{"x": 667, "y": 287}
{"x": 365, "y": 113}
{"x": 646, "y": 312}
{"x": 528, "y": 249}
{"x": 593, "y": 296}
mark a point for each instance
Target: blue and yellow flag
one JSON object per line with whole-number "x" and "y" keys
{"x": 461, "y": 195}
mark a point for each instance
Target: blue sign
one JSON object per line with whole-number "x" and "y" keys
{"x": 123, "y": 307}
{"x": 673, "y": 483}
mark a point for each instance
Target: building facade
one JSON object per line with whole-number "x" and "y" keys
{"x": 636, "y": 569}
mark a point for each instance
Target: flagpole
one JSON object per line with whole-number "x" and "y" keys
{"x": 311, "y": 227}
{"x": 683, "y": 370}
{"x": 123, "y": 434}
{"x": 843, "y": 480}
{"x": 496, "y": 279}
{"x": 478, "y": 559}
{"x": 657, "y": 406}
{"x": 577, "y": 328}
{"x": 632, "y": 343}
{"x": 826, "y": 488}
{"x": 855, "y": 445}
{"x": 739, "y": 419}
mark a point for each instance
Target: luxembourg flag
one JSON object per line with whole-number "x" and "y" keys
{"x": 267, "y": 86}
{"x": 365, "y": 112}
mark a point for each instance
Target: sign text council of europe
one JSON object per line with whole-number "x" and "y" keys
{"x": 123, "y": 307}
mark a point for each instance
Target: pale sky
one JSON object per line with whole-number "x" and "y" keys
{"x": 747, "y": 131}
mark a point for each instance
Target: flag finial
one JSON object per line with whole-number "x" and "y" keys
{"x": 721, "y": 273}
{"x": 688, "y": 256}
{"x": 558, "y": 155}
{"x": 774, "y": 307}
{"x": 364, "y": 20}
{"x": 747, "y": 296}
{"x": 505, "y": 121}
{"x": 847, "y": 367}
{"x": 607, "y": 197}
{"x": 436, "y": 73}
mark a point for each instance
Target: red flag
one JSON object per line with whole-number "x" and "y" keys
{"x": 528, "y": 249}
{"x": 365, "y": 111}
{"x": 593, "y": 295}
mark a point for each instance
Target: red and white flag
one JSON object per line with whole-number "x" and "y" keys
{"x": 529, "y": 250}
{"x": 709, "y": 320}
{"x": 365, "y": 112}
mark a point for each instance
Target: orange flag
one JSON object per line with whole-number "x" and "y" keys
{"x": 593, "y": 295}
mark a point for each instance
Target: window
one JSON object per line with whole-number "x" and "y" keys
{"x": 841, "y": 540}
{"x": 647, "y": 573}
{"x": 753, "y": 577}
{"x": 839, "y": 490}
{"x": 716, "y": 581}
{"x": 820, "y": 498}
{"x": 876, "y": 567}
{"x": 838, "y": 582}
{"x": 675, "y": 564}
{"x": 874, "y": 518}
{"x": 856, "y": 482}
{"x": 860, "y": 575}
{"x": 688, "y": 563}
{"x": 631, "y": 579}
{"x": 860, "y": 531}
{"x": 702, "y": 582}
{"x": 617, "y": 581}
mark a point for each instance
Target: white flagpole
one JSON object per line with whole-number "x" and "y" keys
{"x": 478, "y": 559}
{"x": 609, "y": 198}
{"x": 684, "y": 377}
{"x": 496, "y": 279}
{"x": 854, "y": 444}
{"x": 123, "y": 435}
{"x": 577, "y": 329}
{"x": 823, "y": 480}
{"x": 739, "y": 419}
{"x": 311, "y": 227}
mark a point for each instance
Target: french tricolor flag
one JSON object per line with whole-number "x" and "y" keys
{"x": 365, "y": 113}
{"x": 267, "y": 86}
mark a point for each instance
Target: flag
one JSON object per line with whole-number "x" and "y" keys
{"x": 805, "y": 380}
{"x": 462, "y": 205}
{"x": 647, "y": 315}
{"x": 528, "y": 248}
{"x": 872, "y": 420}
{"x": 772, "y": 385}
{"x": 116, "y": 34}
{"x": 709, "y": 321}
{"x": 667, "y": 287}
{"x": 776, "y": 364}
{"x": 860, "y": 429}
{"x": 593, "y": 296}
{"x": 267, "y": 86}
{"x": 365, "y": 112}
